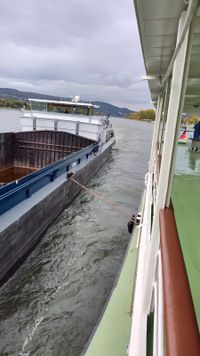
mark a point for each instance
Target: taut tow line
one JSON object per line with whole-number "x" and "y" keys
{"x": 99, "y": 197}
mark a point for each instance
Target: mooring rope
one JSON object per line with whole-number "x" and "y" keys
{"x": 115, "y": 207}
{"x": 122, "y": 212}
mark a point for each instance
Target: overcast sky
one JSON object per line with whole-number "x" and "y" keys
{"x": 73, "y": 47}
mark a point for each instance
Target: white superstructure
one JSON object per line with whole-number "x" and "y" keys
{"x": 70, "y": 116}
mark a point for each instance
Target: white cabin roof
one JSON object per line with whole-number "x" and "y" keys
{"x": 72, "y": 103}
{"x": 158, "y": 25}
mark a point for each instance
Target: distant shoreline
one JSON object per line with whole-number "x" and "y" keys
{"x": 9, "y": 108}
{"x": 9, "y": 103}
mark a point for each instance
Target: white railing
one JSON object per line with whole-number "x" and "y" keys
{"x": 137, "y": 345}
{"x": 158, "y": 329}
{"x": 92, "y": 130}
{"x": 51, "y": 115}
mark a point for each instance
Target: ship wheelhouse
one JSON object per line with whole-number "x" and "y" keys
{"x": 74, "y": 117}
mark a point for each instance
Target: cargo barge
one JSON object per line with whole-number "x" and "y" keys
{"x": 34, "y": 165}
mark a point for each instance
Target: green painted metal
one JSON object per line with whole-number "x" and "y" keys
{"x": 113, "y": 332}
{"x": 186, "y": 202}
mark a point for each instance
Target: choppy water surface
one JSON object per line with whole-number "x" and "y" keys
{"x": 52, "y": 303}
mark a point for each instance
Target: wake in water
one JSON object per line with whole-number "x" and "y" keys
{"x": 43, "y": 310}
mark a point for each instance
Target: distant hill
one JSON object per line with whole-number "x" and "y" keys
{"x": 105, "y": 108}
{"x": 113, "y": 110}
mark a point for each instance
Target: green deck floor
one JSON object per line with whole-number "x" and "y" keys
{"x": 186, "y": 202}
{"x": 113, "y": 333}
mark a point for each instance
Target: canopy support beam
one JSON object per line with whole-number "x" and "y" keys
{"x": 155, "y": 133}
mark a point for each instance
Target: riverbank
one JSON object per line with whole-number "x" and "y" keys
{"x": 8, "y": 103}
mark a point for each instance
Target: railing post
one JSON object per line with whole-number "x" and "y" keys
{"x": 155, "y": 132}
{"x": 34, "y": 123}
{"x": 55, "y": 125}
{"x": 77, "y": 127}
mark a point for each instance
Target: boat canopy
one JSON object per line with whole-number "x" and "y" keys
{"x": 62, "y": 102}
{"x": 158, "y": 22}
{"x": 63, "y": 107}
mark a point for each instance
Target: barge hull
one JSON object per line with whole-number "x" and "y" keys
{"x": 19, "y": 238}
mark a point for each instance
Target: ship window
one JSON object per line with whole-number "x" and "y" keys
{"x": 37, "y": 106}
{"x": 62, "y": 109}
{"x": 70, "y": 109}
{"x": 80, "y": 110}
{"x": 58, "y": 108}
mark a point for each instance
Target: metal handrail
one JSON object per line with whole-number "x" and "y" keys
{"x": 15, "y": 192}
{"x": 182, "y": 335}
{"x": 63, "y": 117}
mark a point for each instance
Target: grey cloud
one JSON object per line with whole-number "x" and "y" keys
{"x": 76, "y": 47}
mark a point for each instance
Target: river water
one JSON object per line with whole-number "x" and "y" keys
{"x": 52, "y": 303}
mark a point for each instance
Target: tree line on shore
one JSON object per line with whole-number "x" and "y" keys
{"x": 149, "y": 115}
{"x": 11, "y": 103}
{"x": 143, "y": 115}
{"x": 191, "y": 120}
